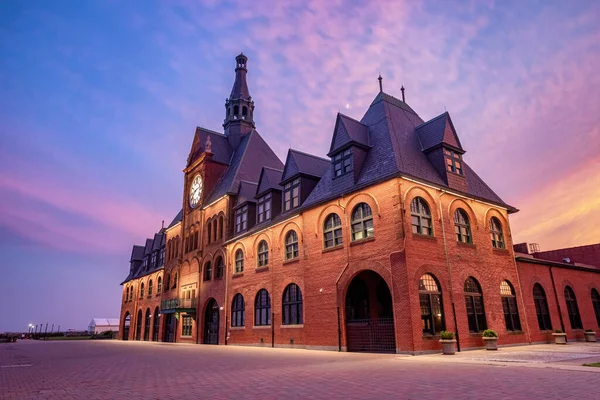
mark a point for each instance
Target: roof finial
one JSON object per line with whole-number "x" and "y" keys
{"x": 402, "y": 90}
{"x": 380, "y": 83}
{"x": 163, "y": 225}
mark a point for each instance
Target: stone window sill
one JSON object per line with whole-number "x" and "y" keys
{"x": 262, "y": 269}
{"x": 237, "y": 328}
{"x": 291, "y": 326}
{"x": 332, "y": 248}
{"x": 292, "y": 261}
{"x": 237, "y": 275}
{"x": 186, "y": 337}
{"x": 467, "y": 245}
{"x": 421, "y": 236}
{"x": 261, "y": 327}
{"x": 362, "y": 241}
{"x": 501, "y": 252}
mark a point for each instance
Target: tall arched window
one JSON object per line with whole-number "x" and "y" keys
{"x": 156, "y": 324}
{"x": 362, "y": 222}
{"x": 175, "y": 280}
{"x": 292, "y": 305}
{"x": 237, "y": 310}
{"x": 421, "y": 217}
{"x": 474, "y": 302}
{"x": 214, "y": 229}
{"x": 332, "y": 231}
{"x": 159, "y": 285}
{"x": 209, "y": 229}
{"x": 219, "y": 268}
{"x": 168, "y": 283}
{"x": 196, "y": 240}
{"x": 432, "y": 312}
{"x": 496, "y": 233}
{"x": 150, "y": 287}
{"x": 262, "y": 308}
{"x": 221, "y": 227}
{"x": 541, "y": 308}
{"x": 573, "y": 309}
{"x": 291, "y": 245}
{"x": 596, "y": 304}
{"x": 147, "y": 325}
{"x": 138, "y": 326}
{"x": 263, "y": 254}
{"x": 127, "y": 293}
{"x": 509, "y": 305}
{"x": 207, "y": 271}
{"x": 462, "y": 226}
{"x": 239, "y": 261}
{"x": 142, "y": 290}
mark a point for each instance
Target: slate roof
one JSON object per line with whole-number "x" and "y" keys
{"x": 269, "y": 179}
{"x": 246, "y": 192}
{"x": 346, "y": 131}
{"x": 298, "y": 162}
{"x": 436, "y": 131}
{"x": 219, "y": 146}
{"x": 246, "y": 164}
{"x": 176, "y": 220}
{"x": 138, "y": 253}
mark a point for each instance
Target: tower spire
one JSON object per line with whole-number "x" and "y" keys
{"x": 402, "y": 90}
{"x": 380, "y": 79}
{"x": 239, "y": 107}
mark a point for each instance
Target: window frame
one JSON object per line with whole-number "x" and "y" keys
{"x": 142, "y": 290}
{"x": 150, "y": 288}
{"x": 241, "y": 219}
{"x": 239, "y": 262}
{"x": 186, "y": 325}
{"x": 289, "y": 189}
{"x": 262, "y": 254}
{"x": 474, "y": 300}
{"x": 429, "y": 298}
{"x": 159, "y": 285}
{"x": 496, "y": 234}
{"x": 334, "y": 231}
{"x": 453, "y": 161}
{"x": 541, "y": 308}
{"x": 572, "y": 308}
{"x": 238, "y": 311}
{"x": 342, "y": 163}
{"x": 510, "y": 308}
{"x": 595, "y": 296}
{"x": 292, "y": 306}
{"x": 263, "y": 208}
{"x": 420, "y": 210}
{"x": 462, "y": 226}
{"x": 291, "y": 245}
{"x": 219, "y": 267}
{"x": 362, "y": 222}
{"x": 262, "y": 308}
{"x": 208, "y": 271}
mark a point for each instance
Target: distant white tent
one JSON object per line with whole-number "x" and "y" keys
{"x": 99, "y": 325}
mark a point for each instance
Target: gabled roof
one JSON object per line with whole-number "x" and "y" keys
{"x": 269, "y": 179}
{"x": 381, "y": 96}
{"x": 348, "y": 130}
{"x": 176, "y": 220}
{"x": 148, "y": 247}
{"x": 220, "y": 147}
{"x": 298, "y": 163}
{"x": 137, "y": 253}
{"x": 246, "y": 192}
{"x": 246, "y": 165}
{"x": 436, "y": 131}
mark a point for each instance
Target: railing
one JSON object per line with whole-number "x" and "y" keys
{"x": 172, "y": 304}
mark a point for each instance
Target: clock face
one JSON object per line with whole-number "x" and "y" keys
{"x": 195, "y": 191}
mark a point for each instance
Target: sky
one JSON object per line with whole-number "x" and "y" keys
{"x": 99, "y": 101}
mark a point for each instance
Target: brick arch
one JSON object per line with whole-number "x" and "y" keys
{"x": 418, "y": 191}
{"x": 185, "y": 267}
{"x": 466, "y": 273}
{"x": 363, "y": 197}
{"x": 236, "y": 246}
{"x": 460, "y": 203}
{"x": 563, "y": 286}
{"x": 591, "y": 286}
{"x": 532, "y": 281}
{"x": 493, "y": 212}
{"x": 207, "y": 257}
{"x": 203, "y": 311}
{"x": 354, "y": 268}
{"x": 220, "y": 252}
{"x": 324, "y": 213}
{"x": 284, "y": 231}
{"x": 438, "y": 273}
{"x": 259, "y": 238}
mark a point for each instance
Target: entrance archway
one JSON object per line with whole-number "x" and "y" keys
{"x": 156, "y": 325}
{"x": 170, "y": 326}
{"x": 211, "y": 323}
{"x": 138, "y": 326}
{"x": 369, "y": 315}
{"x": 126, "y": 325}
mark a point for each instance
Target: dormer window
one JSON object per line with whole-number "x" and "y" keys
{"x": 453, "y": 161}
{"x": 291, "y": 195}
{"x": 241, "y": 219}
{"x": 153, "y": 262}
{"x": 264, "y": 208}
{"x": 342, "y": 163}
{"x": 161, "y": 260}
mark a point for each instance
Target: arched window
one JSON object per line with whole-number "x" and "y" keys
{"x": 362, "y": 222}
{"x": 509, "y": 305}
{"x": 292, "y": 305}
{"x": 219, "y": 268}
{"x": 159, "y": 285}
{"x": 147, "y": 325}
{"x": 421, "y": 217}
{"x": 474, "y": 302}
{"x": 150, "y": 287}
{"x": 596, "y": 304}
{"x": 262, "y": 308}
{"x": 207, "y": 271}
{"x": 237, "y": 310}
{"x": 127, "y": 293}
{"x": 573, "y": 309}
{"x": 541, "y": 308}
{"x": 236, "y": 110}
{"x": 214, "y": 229}
{"x": 245, "y": 111}
{"x": 462, "y": 226}
{"x": 221, "y": 227}
{"x": 138, "y": 326}
{"x": 263, "y": 254}
{"x": 432, "y": 312}
{"x": 209, "y": 228}
{"x": 156, "y": 324}
{"x": 168, "y": 283}
{"x": 496, "y": 233}
{"x": 175, "y": 280}
{"x": 332, "y": 231}
{"x": 142, "y": 290}
{"x": 196, "y": 240}
{"x": 291, "y": 245}
{"x": 239, "y": 261}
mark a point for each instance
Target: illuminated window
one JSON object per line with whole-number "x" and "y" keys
{"x": 509, "y": 305}
{"x": 237, "y": 310}
{"x": 421, "y": 217}
{"x": 291, "y": 245}
{"x": 332, "y": 231}
{"x": 291, "y": 195}
{"x": 453, "y": 161}
{"x": 432, "y": 312}
{"x": 186, "y": 325}
{"x": 462, "y": 226}
{"x": 342, "y": 163}
{"x": 262, "y": 308}
{"x": 362, "y": 222}
{"x": 263, "y": 253}
{"x": 474, "y": 302}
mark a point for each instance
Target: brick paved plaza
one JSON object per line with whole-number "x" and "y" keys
{"x": 115, "y": 369}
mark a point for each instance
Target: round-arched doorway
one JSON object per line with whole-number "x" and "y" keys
{"x": 126, "y": 326}
{"x": 211, "y": 323}
{"x": 369, "y": 315}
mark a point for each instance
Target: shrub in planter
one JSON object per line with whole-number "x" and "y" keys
{"x": 559, "y": 337}
{"x": 448, "y": 342}
{"x": 490, "y": 337}
{"x": 590, "y": 335}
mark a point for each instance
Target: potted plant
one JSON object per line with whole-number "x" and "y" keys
{"x": 491, "y": 339}
{"x": 448, "y": 342}
{"x": 559, "y": 336}
{"x": 590, "y": 335}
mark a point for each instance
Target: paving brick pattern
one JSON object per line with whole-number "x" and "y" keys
{"x": 130, "y": 370}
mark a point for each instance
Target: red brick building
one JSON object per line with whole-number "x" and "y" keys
{"x": 379, "y": 247}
